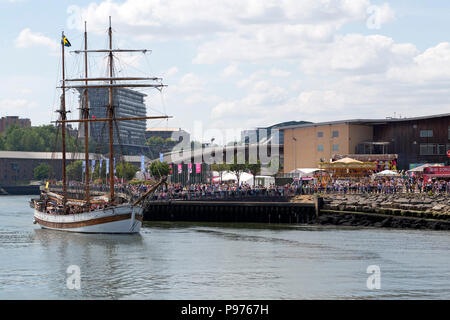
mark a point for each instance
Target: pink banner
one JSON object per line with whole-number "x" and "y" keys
{"x": 198, "y": 168}
{"x": 171, "y": 171}
{"x": 180, "y": 168}
{"x": 190, "y": 167}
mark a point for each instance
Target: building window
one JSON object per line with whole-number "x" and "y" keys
{"x": 441, "y": 149}
{"x": 335, "y": 147}
{"x": 320, "y": 147}
{"x": 335, "y": 134}
{"x": 426, "y": 133}
{"x": 320, "y": 133}
{"x": 428, "y": 149}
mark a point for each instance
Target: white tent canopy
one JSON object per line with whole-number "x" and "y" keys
{"x": 387, "y": 173}
{"x": 305, "y": 172}
{"x": 243, "y": 178}
{"x": 420, "y": 168}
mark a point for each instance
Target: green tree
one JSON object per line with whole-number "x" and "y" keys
{"x": 221, "y": 168}
{"x": 159, "y": 169}
{"x": 158, "y": 145}
{"x": 43, "y": 171}
{"x": 99, "y": 174}
{"x": 74, "y": 170}
{"x": 126, "y": 170}
{"x": 238, "y": 166}
{"x": 254, "y": 168}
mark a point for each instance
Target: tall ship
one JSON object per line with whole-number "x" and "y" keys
{"x": 81, "y": 211}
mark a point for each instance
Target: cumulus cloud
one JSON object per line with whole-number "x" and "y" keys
{"x": 433, "y": 65}
{"x": 321, "y": 74}
{"x": 28, "y": 39}
{"x": 357, "y": 53}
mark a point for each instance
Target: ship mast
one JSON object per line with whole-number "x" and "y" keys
{"x": 85, "y": 110}
{"x": 62, "y": 112}
{"x": 111, "y": 115}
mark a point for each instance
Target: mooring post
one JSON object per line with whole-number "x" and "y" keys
{"x": 318, "y": 202}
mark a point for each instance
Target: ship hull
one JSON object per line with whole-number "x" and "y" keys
{"x": 119, "y": 219}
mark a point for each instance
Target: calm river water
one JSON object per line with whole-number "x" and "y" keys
{"x": 219, "y": 261}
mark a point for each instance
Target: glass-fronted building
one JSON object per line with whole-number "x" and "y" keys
{"x": 127, "y": 103}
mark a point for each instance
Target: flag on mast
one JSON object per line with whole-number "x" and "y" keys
{"x": 65, "y": 41}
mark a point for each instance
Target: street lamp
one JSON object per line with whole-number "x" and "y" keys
{"x": 295, "y": 153}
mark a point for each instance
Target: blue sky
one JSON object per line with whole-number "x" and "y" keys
{"x": 231, "y": 65}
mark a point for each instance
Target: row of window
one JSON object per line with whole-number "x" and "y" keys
{"x": 429, "y": 133}
{"x": 335, "y": 147}
{"x": 334, "y": 134}
{"x": 423, "y": 134}
{"x": 428, "y": 149}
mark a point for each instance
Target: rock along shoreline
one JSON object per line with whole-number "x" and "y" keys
{"x": 395, "y": 210}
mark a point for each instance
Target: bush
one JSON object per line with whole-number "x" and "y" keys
{"x": 43, "y": 171}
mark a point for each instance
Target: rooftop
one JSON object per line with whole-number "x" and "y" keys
{"x": 365, "y": 121}
{"x": 163, "y": 129}
{"x": 58, "y": 156}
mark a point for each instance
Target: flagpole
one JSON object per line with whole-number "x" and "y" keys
{"x": 62, "y": 112}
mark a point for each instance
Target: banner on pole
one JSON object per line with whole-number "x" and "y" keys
{"x": 190, "y": 167}
{"x": 84, "y": 166}
{"x": 142, "y": 163}
{"x": 198, "y": 168}
{"x": 107, "y": 166}
{"x": 161, "y": 157}
{"x": 180, "y": 168}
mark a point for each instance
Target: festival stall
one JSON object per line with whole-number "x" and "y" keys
{"x": 348, "y": 168}
{"x": 436, "y": 173}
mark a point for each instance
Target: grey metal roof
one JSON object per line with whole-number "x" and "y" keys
{"x": 58, "y": 156}
{"x": 365, "y": 121}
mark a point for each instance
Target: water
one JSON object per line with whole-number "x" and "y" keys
{"x": 219, "y": 261}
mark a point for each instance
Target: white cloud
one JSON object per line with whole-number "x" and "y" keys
{"x": 357, "y": 53}
{"x": 379, "y": 15}
{"x": 231, "y": 71}
{"x": 28, "y": 39}
{"x": 171, "y": 72}
{"x": 429, "y": 67}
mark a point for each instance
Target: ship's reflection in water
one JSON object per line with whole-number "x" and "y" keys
{"x": 218, "y": 261}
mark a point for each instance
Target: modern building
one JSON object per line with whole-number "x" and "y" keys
{"x": 176, "y": 134}
{"x": 262, "y": 135}
{"x": 7, "y": 121}
{"x": 128, "y": 135}
{"x": 407, "y": 141}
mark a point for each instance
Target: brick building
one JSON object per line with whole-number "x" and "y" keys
{"x": 5, "y": 122}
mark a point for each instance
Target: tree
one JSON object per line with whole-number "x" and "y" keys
{"x": 159, "y": 169}
{"x": 158, "y": 145}
{"x": 254, "y": 168}
{"x": 99, "y": 174}
{"x": 126, "y": 170}
{"x": 221, "y": 168}
{"x": 238, "y": 166}
{"x": 43, "y": 171}
{"x": 74, "y": 170}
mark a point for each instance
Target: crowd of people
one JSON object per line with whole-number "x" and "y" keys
{"x": 233, "y": 190}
